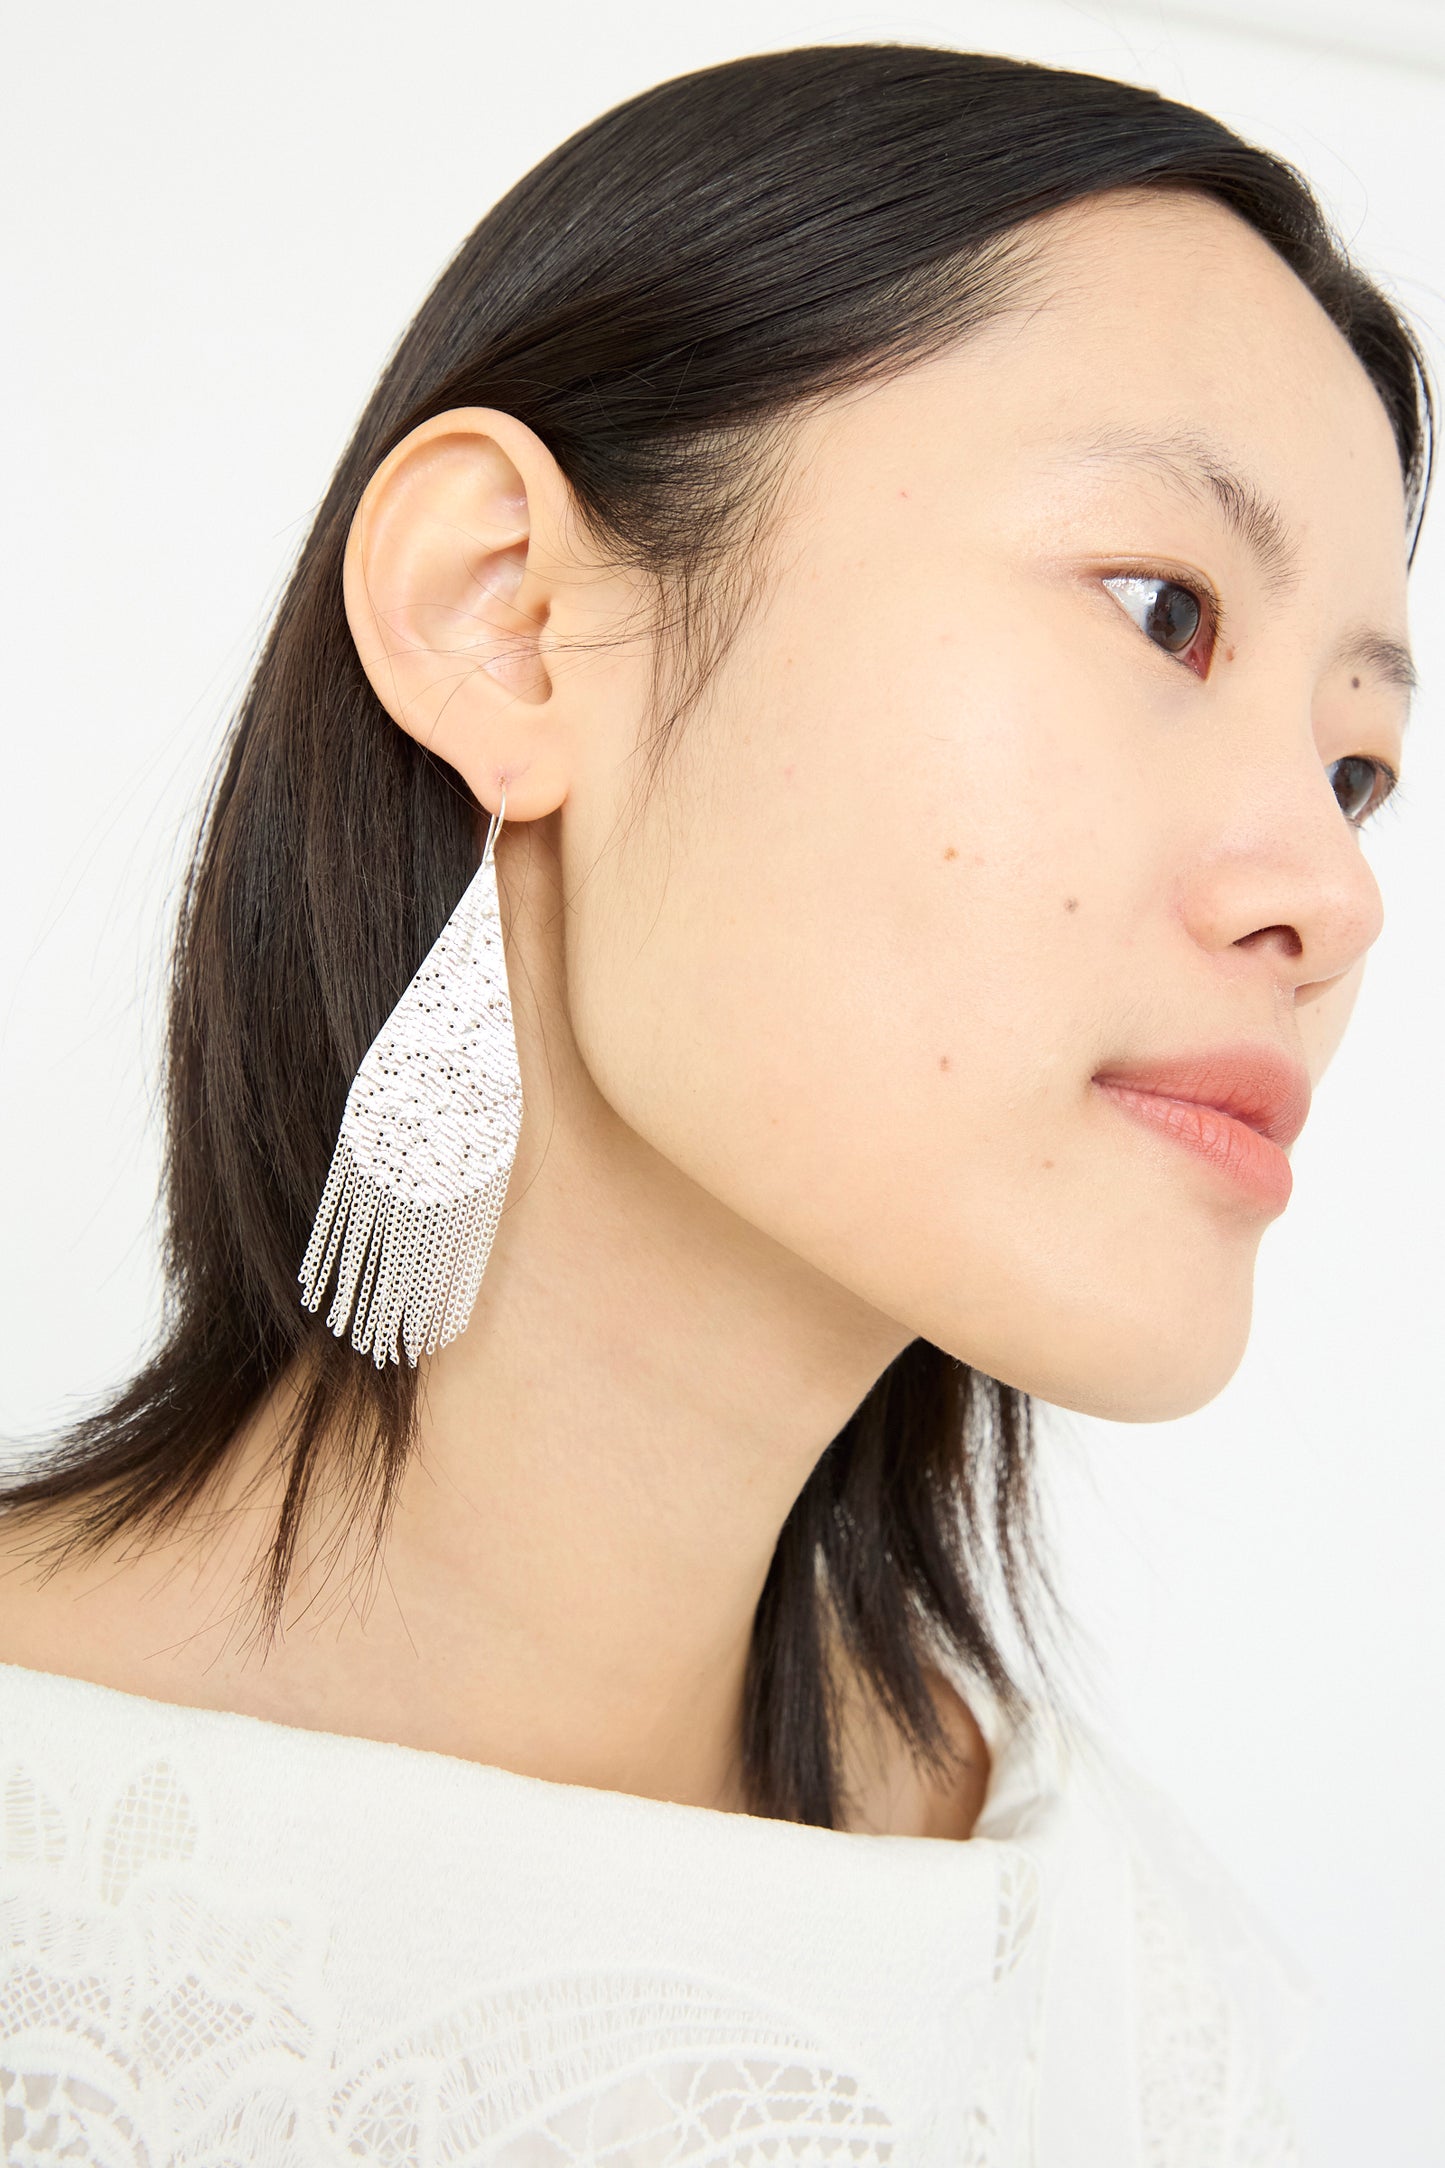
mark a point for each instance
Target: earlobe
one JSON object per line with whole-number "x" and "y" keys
{"x": 445, "y": 598}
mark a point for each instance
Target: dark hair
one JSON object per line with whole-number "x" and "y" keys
{"x": 654, "y": 299}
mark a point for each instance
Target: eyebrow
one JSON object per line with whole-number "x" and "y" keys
{"x": 1388, "y": 659}
{"x": 1192, "y": 463}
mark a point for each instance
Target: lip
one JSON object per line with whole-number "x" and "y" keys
{"x": 1236, "y": 1107}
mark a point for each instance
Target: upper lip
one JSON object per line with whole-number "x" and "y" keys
{"x": 1258, "y": 1085}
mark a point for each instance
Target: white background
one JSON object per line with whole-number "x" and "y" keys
{"x": 219, "y": 223}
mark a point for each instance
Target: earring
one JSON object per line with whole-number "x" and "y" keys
{"x": 427, "y": 1141}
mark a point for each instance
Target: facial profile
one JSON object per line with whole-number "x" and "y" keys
{"x": 792, "y": 860}
{"x": 1074, "y": 666}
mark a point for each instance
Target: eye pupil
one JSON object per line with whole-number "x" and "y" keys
{"x": 1174, "y": 615}
{"x": 1354, "y": 780}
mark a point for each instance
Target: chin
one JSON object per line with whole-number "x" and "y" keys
{"x": 1126, "y": 1370}
{"x": 1157, "y": 1398}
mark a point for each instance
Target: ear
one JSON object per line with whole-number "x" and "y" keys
{"x": 452, "y": 569}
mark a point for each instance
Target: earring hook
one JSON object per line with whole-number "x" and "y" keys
{"x": 494, "y": 829}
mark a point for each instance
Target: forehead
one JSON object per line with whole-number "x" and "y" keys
{"x": 1172, "y": 285}
{"x": 1148, "y": 325}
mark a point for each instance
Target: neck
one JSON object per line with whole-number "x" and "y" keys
{"x": 605, "y": 1460}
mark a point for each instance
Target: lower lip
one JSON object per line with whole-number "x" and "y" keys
{"x": 1253, "y": 1164}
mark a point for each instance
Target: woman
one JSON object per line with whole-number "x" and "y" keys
{"x": 780, "y": 887}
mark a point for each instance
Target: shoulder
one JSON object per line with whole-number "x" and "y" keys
{"x": 1224, "y": 2004}
{"x": 887, "y": 1791}
{"x": 113, "y": 1620}
{"x": 56, "y": 1619}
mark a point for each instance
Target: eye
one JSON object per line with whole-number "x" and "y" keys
{"x": 1183, "y": 620}
{"x": 1362, "y": 785}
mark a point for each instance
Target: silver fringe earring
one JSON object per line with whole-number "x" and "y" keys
{"x": 427, "y": 1142}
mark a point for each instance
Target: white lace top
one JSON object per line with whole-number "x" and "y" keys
{"x": 228, "y": 1943}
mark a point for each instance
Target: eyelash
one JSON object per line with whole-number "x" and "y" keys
{"x": 1212, "y": 622}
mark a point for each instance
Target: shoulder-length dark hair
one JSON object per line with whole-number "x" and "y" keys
{"x": 653, "y": 299}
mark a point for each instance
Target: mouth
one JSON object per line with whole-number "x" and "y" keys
{"x": 1248, "y": 1161}
{"x": 1236, "y": 1109}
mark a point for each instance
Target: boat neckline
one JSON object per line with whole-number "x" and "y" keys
{"x": 1017, "y": 1753}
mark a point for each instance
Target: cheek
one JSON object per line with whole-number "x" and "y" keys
{"x": 867, "y": 958}
{"x": 1010, "y": 847}
{"x": 898, "y": 895}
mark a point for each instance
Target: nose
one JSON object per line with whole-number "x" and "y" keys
{"x": 1284, "y": 875}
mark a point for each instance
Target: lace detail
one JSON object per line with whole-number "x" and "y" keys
{"x": 1018, "y": 1911}
{"x": 1266, "y": 2135}
{"x": 145, "y": 2027}
{"x": 228, "y": 1944}
{"x": 1183, "y": 2037}
{"x": 653, "y": 2071}
{"x": 1204, "y": 2100}
{"x": 980, "y": 2141}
